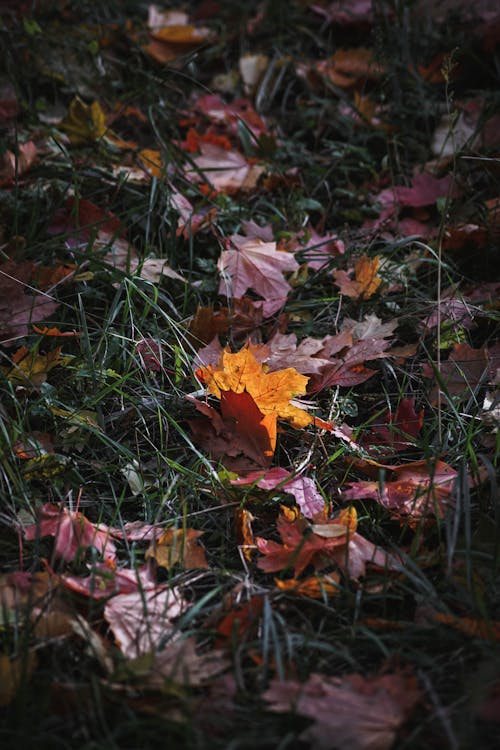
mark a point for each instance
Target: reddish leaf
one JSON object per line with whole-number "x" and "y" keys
{"x": 12, "y": 167}
{"x": 365, "y": 282}
{"x": 72, "y": 532}
{"x": 224, "y": 171}
{"x": 140, "y": 621}
{"x": 463, "y": 371}
{"x": 220, "y": 437}
{"x": 403, "y": 426}
{"x": 230, "y": 115}
{"x": 178, "y": 546}
{"x": 350, "y": 712}
{"x": 303, "y": 489}
{"x": 240, "y": 622}
{"x": 18, "y": 311}
{"x": 254, "y": 264}
{"x": 106, "y": 580}
{"x": 255, "y": 429}
{"x": 319, "y": 544}
{"x": 416, "y": 490}
{"x": 425, "y": 190}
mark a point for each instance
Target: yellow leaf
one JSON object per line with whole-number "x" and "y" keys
{"x": 366, "y": 275}
{"x": 84, "y": 122}
{"x": 30, "y": 368}
{"x": 178, "y": 546}
{"x": 272, "y": 392}
{"x": 315, "y": 587}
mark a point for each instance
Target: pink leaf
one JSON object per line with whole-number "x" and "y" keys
{"x": 254, "y": 264}
{"x": 72, "y": 532}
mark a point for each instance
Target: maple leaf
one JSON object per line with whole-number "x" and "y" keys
{"x": 401, "y": 427}
{"x": 464, "y": 370}
{"x": 30, "y": 368}
{"x": 272, "y": 392}
{"x": 178, "y": 663}
{"x": 303, "y": 489}
{"x": 258, "y": 430}
{"x": 140, "y": 621}
{"x": 350, "y": 67}
{"x": 230, "y": 115}
{"x": 301, "y": 546}
{"x": 416, "y": 490}
{"x": 178, "y": 546}
{"x": 18, "y": 310}
{"x": 71, "y": 531}
{"x": 350, "y": 712}
{"x": 245, "y": 430}
{"x": 107, "y": 580}
{"x": 365, "y": 282}
{"x": 225, "y": 171}
{"x": 254, "y": 264}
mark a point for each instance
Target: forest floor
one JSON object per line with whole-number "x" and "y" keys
{"x": 249, "y": 375}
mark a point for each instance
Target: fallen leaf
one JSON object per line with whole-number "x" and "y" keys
{"x": 72, "y": 532}
{"x": 350, "y": 712}
{"x": 365, "y": 282}
{"x": 244, "y": 532}
{"x": 84, "y": 122}
{"x": 348, "y": 68}
{"x": 178, "y": 546}
{"x": 107, "y": 580}
{"x": 401, "y": 428}
{"x": 313, "y": 587}
{"x": 415, "y": 490}
{"x": 303, "y": 489}
{"x": 15, "y": 673}
{"x": 272, "y": 392}
{"x": 142, "y": 620}
{"x": 240, "y": 623}
{"x": 224, "y": 171}
{"x": 257, "y": 265}
{"x": 179, "y": 663}
{"x": 321, "y": 543}
{"x": 12, "y": 167}
{"x": 18, "y": 311}
{"x": 464, "y": 370}
{"x": 29, "y": 368}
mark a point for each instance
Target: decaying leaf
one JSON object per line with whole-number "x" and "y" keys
{"x": 29, "y": 368}
{"x": 313, "y": 587}
{"x": 178, "y": 546}
{"x": 350, "y": 712}
{"x": 84, "y": 122}
{"x": 140, "y": 621}
{"x": 17, "y": 309}
{"x": 14, "y": 673}
{"x": 414, "y": 491}
{"x": 303, "y": 489}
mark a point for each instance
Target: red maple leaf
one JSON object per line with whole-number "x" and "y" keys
{"x": 71, "y": 531}
{"x": 414, "y": 491}
{"x": 401, "y": 427}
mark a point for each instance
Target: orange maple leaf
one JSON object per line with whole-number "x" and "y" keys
{"x": 272, "y": 392}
